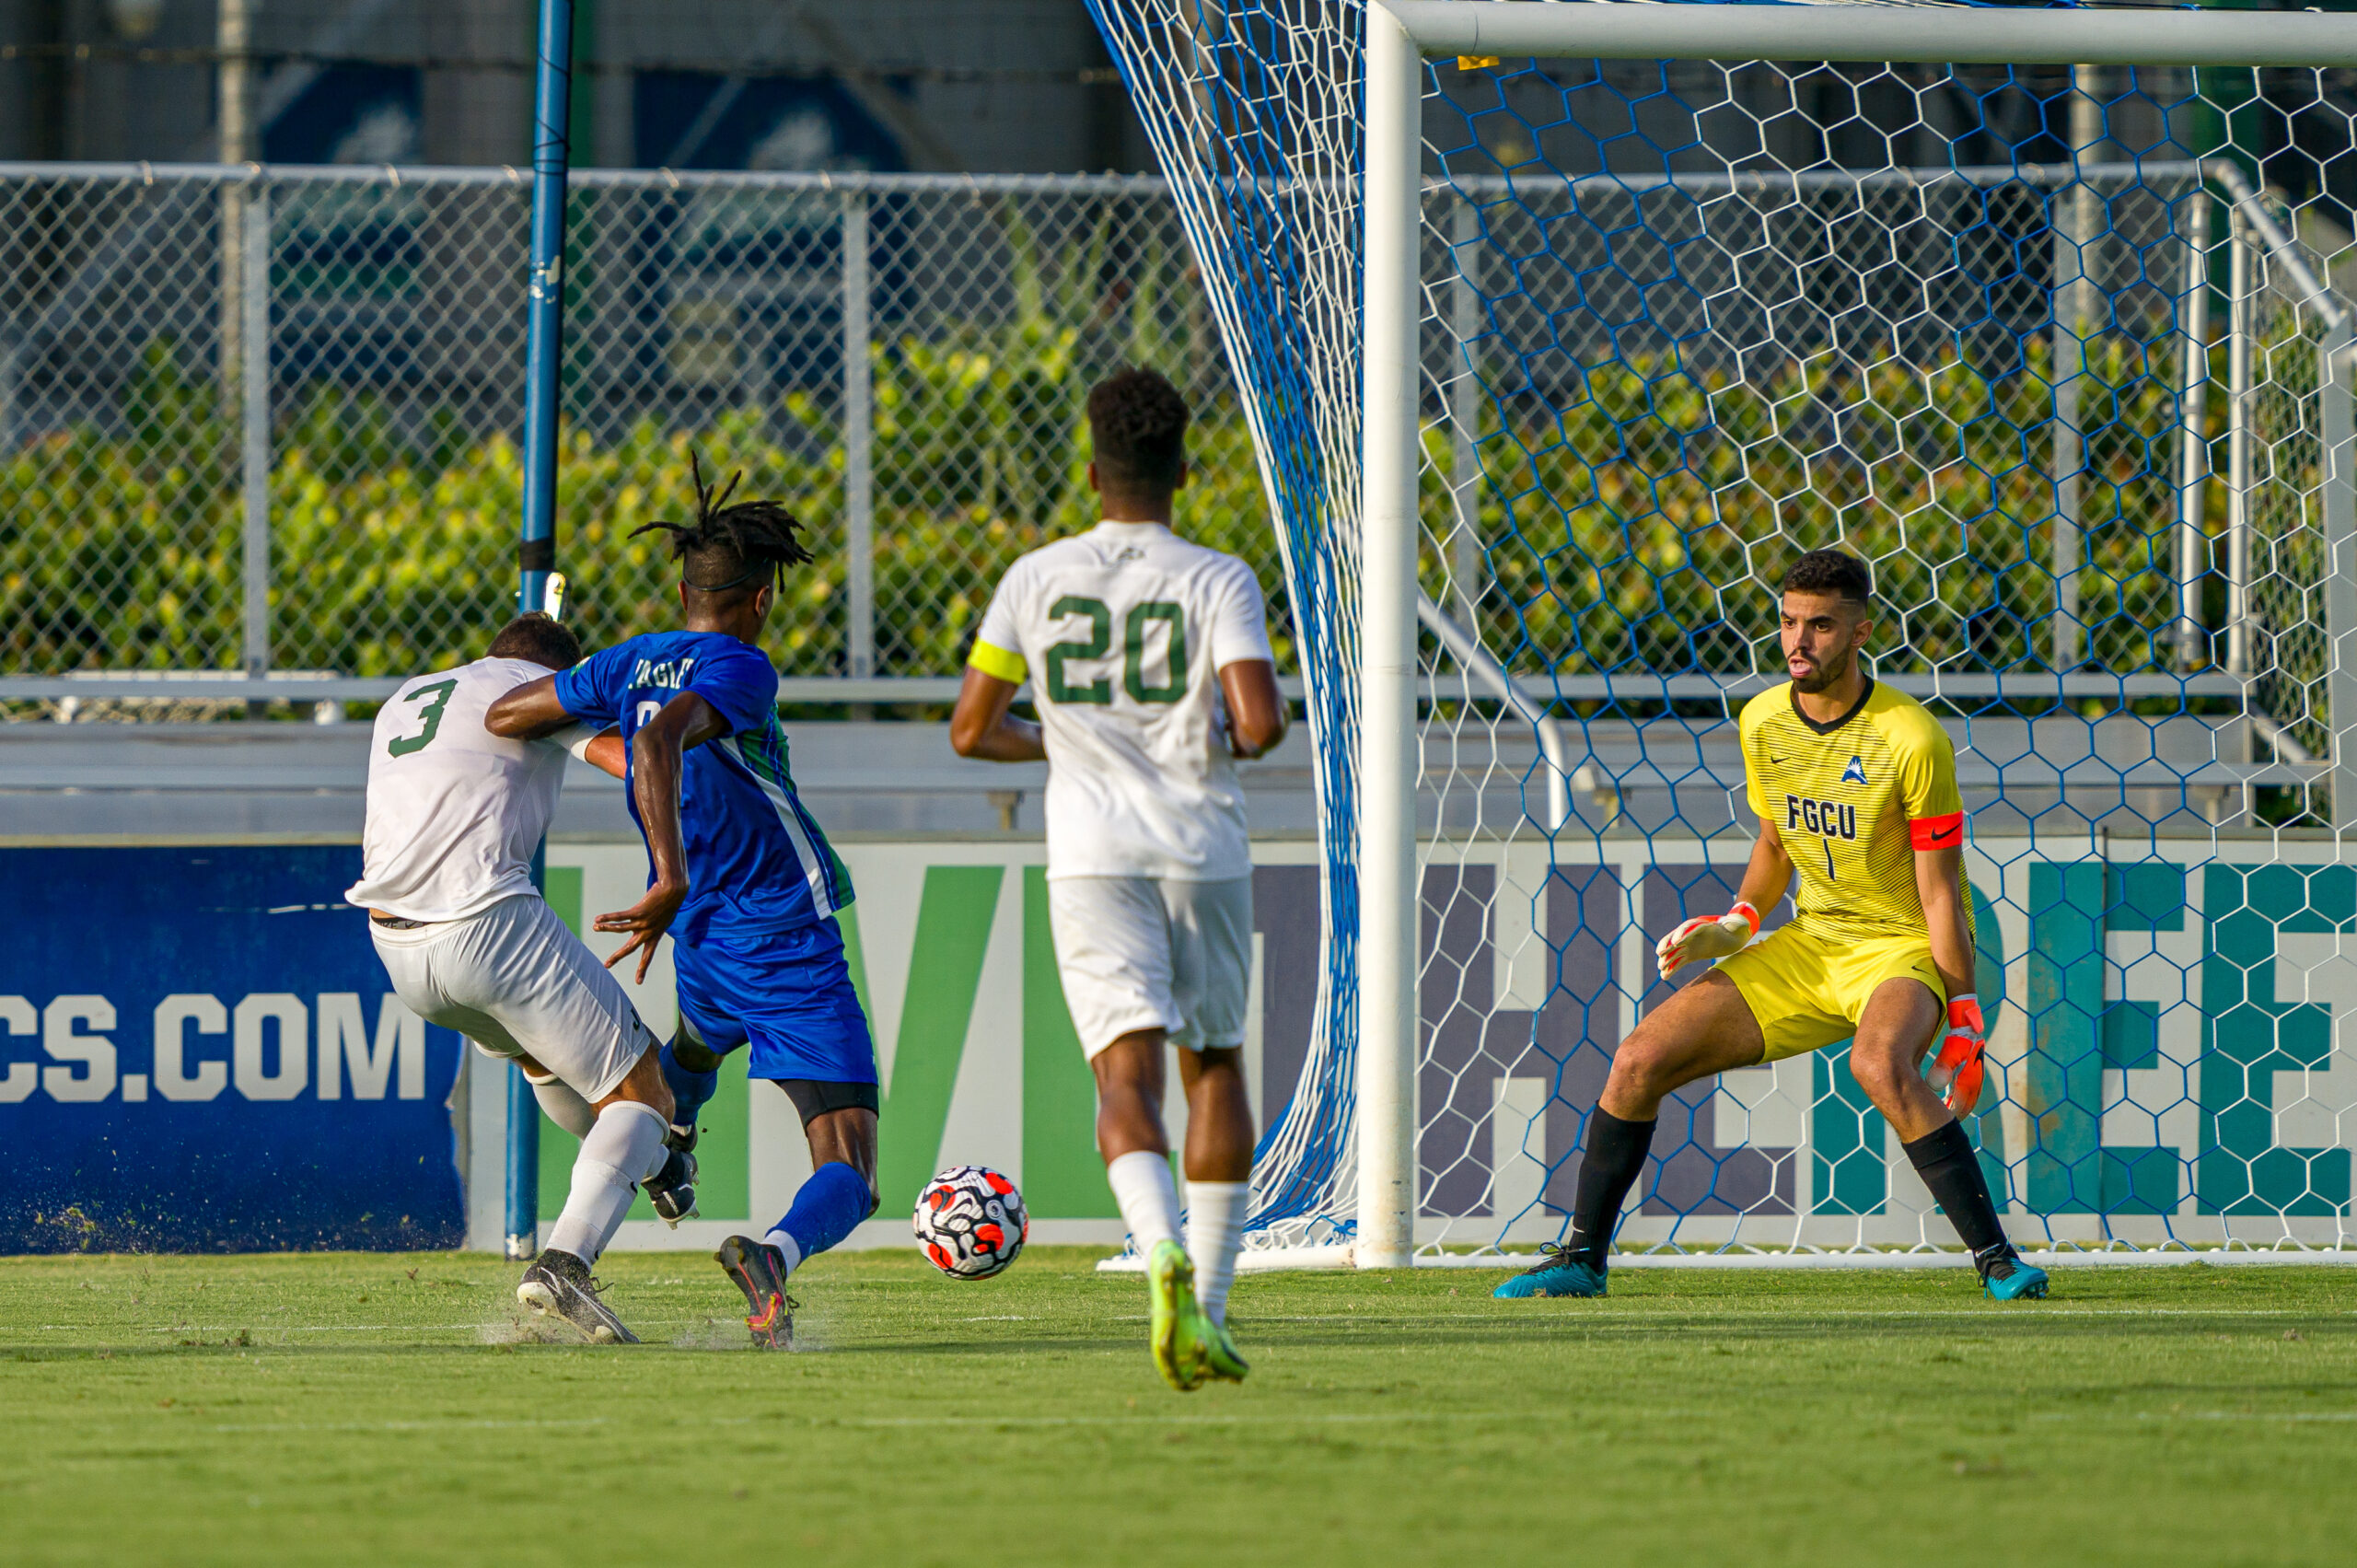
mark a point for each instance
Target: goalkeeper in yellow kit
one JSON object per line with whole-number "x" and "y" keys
{"x": 1854, "y": 785}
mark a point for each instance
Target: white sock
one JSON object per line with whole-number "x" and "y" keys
{"x": 783, "y": 1241}
{"x": 1149, "y": 1198}
{"x": 1215, "y": 1235}
{"x": 621, "y": 1150}
{"x": 565, "y": 1107}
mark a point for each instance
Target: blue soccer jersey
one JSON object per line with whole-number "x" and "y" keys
{"x": 757, "y": 862}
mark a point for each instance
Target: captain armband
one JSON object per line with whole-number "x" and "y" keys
{"x": 1002, "y": 663}
{"x": 1936, "y": 832}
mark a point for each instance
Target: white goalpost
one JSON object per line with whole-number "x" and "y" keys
{"x": 1560, "y": 327}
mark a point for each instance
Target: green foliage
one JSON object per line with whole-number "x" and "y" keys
{"x": 1637, "y": 525}
{"x": 1644, "y": 523}
{"x": 391, "y": 555}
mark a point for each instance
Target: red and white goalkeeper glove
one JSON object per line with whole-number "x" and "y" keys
{"x": 1704, "y": 939}
{"x": 1956, "y": 1071}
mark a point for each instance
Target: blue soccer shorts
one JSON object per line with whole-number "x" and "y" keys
{"x": 789, "y": 994}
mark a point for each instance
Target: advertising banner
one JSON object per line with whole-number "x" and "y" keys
{"x": 949, "y": 945}
{"x": 2173, "y": 1048}
{"x": 199, "y": 1052}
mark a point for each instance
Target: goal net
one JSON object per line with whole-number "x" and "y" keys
{"x": 1561, "y": 330}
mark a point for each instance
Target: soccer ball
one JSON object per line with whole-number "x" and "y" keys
{"x": 969, "y": 1221}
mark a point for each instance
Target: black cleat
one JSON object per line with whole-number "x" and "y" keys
{"x": 558, "y": 1282}
{"x": 680, "y": 1138}
{"x": 672, "y": 1189}
{"x": 759, "y": 1270}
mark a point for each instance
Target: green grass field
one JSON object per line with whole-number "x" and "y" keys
{"x": 368, "y": 1409}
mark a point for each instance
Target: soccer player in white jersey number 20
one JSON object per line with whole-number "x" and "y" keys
{"x": 455, "y": 814}
{"x": 1150, "y": 665}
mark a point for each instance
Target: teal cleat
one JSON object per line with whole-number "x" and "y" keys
{"x": 2006, "y": 1278}
{"x": 1557, "y": 1272}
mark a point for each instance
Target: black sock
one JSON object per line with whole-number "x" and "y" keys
{"x": 1948, "y": 1167}
{"x": 1616, "y": 1154}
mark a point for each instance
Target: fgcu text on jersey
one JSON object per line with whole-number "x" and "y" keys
{"x": 1853, "y": 799}
{"x": 670, "y": 674}
{"x": 756, "y": 861}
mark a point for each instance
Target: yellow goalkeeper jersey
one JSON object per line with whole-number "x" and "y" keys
{"x": 1854, "y": 800}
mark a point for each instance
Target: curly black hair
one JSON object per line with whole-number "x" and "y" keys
{"x": 535, "y": 637}
{"x": 728, "y": 547}
{"x": 1832, "y": 572}
{"x": 1137, "y": 424}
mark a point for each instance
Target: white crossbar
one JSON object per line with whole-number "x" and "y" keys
{"x": 1948, "y": 35}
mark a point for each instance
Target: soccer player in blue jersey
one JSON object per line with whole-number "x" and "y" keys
{"x": 740, "y": 876}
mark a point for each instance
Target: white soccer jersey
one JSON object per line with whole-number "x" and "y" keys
{"x": 1124, "y": 630}
{"x": 454, "y": 811}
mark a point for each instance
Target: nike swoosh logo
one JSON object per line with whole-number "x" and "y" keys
{"x": 1949, "y": 834}
{"x": 1776, "y": 761}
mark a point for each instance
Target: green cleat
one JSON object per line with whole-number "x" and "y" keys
{"x": 1220, "y": 1358}
{"x": 1178, "y": 1321}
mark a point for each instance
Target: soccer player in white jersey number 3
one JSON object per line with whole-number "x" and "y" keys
{"x": 455, "y": 814}
{"x": 1151, "y": 670}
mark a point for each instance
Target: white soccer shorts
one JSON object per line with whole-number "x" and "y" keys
{"x": 517, "y": 983}
{"x": 1142, "y": 953}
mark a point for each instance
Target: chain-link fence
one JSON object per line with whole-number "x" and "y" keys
{"x": 263, "y": 421}
{"x": 1911, "y": 359}
{"x": 903, "y": 359}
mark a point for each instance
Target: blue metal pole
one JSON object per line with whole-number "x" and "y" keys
{"x": 523, "y": 1166}
{"x": 535, "y": 553}
{"x": 544, "y": 319}
{"x": 524, "y": 1137}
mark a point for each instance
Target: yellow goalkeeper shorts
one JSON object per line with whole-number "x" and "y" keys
{"x": 1807, "y": 991}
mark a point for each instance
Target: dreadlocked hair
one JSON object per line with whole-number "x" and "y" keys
{"x": 728, "y": 547}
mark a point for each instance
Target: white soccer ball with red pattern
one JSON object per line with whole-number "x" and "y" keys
{"x": 970, "y": 1221}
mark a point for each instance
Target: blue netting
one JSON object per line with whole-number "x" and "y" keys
{"x": 2029, "y": 343}
{"x": 1249, "y": 172}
